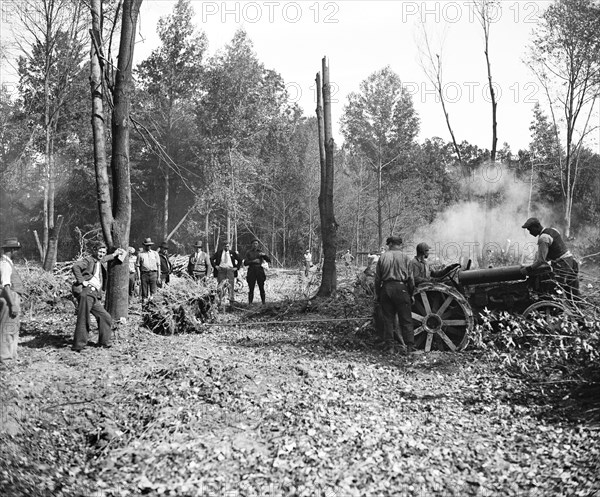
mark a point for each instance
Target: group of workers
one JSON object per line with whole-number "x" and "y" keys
{"x": 396, "y": 276}
{"x": 152, "y": 269}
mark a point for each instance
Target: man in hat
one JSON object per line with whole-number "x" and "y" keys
{"x": 148, "y": 269}
{"x": 199, "y": 265}
{"x": 553, "y": 250}
{"x": 254, "y": 259}
{"x": 166, "y": 268}
{"x": 394, "y": 286}
{"x": 422, "y": 273}
{"x": 226, "y": 263}
{"x": 90, "y": 282}
{"x": 11, "y": 290}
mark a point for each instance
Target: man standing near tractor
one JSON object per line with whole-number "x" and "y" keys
{"x": 553, "y": 250}
{"x": 394, "y": 286}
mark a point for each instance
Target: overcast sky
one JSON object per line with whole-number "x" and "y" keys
{"x": 360, "y": 37}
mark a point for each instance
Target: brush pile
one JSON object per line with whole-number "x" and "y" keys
{"x": 45, "y": 290}
{"x": 181, "y": 307}
{"x": 180, "y": 264}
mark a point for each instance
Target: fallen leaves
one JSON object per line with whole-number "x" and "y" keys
{"x": 303, "y": 411}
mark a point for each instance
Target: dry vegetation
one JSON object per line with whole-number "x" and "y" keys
{"x": 247, "y": 403}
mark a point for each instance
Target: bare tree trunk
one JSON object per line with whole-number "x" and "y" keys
{"x": 228, "y": 239}
{"x": 484, "y": 11}
{"x": 98, "y": 122}
{"x": 52, "y": 252}
{"x": 379, "y": 202}
{"x": 178, "y": 225}
{"x": 206, "y": 227}
{"x": 283, "y": 232}
{"x": 273, "y": 235}
{"x": 433, "y": 70}
{"x": 115, "y": 217}
{"x": 326, "y": 146}
{"x": 38, "y": 243}
{"x": 165, "y": 219}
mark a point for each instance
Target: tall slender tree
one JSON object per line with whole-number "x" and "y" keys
{"x": 380, "y": 123}
{"x": 564, "y": 58}
{"x": 51, "y": 41}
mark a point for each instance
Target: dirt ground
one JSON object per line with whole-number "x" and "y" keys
{"x": 253, "y": 407}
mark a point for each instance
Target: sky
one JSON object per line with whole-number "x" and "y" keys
{"x": 360, "y": 37}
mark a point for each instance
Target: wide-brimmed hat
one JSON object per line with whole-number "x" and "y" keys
{"x": 148, "y": 241}
{"x": 199, "y": 244}
{"x": 12, "y": 243}
{"x": 164, "y": 245}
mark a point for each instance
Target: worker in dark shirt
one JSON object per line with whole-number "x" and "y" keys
{"x": 394, "y": 286}
{"x": 166, "y": 267}
{"x": 553, "y": 250}
{"x": 419, "y": 267}
{"x": 254, "y": 259}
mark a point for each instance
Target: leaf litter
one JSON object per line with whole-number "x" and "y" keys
{"x": 254, "y": 410}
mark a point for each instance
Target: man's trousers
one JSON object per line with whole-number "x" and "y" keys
{"x": 89, "y": 303}
{"x": 148, "y": 283}
{"x": 395, "y": 300}
{"x": 9, "y": 330}
{"x": 256, "y": 275}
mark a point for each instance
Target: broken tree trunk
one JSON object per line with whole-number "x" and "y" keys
{"x": 326, "y": 149}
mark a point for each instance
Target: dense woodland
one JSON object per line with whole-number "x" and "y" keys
{"x": 218, "y": 150}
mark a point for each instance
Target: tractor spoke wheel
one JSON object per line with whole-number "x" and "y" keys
{"x": 442, "y": 318}
{"x": 548, "y": 311}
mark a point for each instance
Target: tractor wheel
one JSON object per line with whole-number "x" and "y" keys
{"x": 442, "y": 318}
{"x": 547, "y": 309}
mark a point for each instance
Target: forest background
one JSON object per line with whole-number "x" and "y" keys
{"x": 221, "y": 150}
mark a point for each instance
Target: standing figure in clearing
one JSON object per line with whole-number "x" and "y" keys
{"x": 148, "y": 267}
{"x": 307, "y": 262}
{"x": 348, "y": 258}
{"x": 11, "y": 289}
{"x": 166, "y": 268}
{"x": 226, "y": 263}
{"x": 90, "y": 282}
{"x": 394, "y": 286}
{"x": 199, "y": 263}
{"x": 256, "y": 274}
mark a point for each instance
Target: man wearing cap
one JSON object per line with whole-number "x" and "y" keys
{"x": 254, "y": 259}
{"x": 166, "y": 268}
{"x": 553, "y": 250}
{"x": 394, "y": 285}
{"x": 11, "y": 290}
{"x": 90, "y": 282}
{"x": 419, "y": 267}
{"x": 199, "y": 264}
{"x": 148, "y": 269}
{"x": 226, "y": 263}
